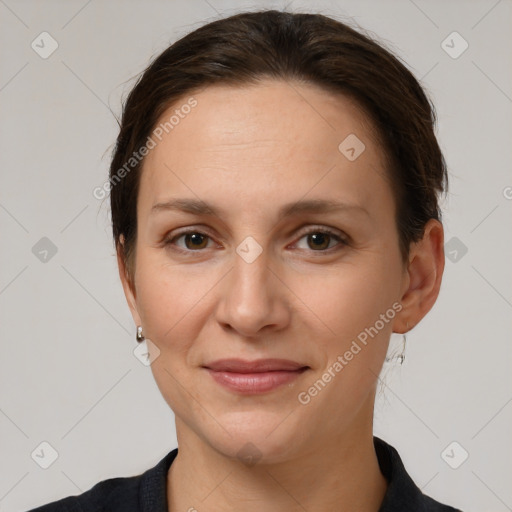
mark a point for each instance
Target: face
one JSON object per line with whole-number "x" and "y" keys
{"x": 266, "y": 272}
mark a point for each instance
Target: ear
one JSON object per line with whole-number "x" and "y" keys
{"x": 422, "y": 277}
{"x": 128, "y": 286}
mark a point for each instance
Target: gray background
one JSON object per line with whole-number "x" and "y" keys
{"x": 68, "y": 375}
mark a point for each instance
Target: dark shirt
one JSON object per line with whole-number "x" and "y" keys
{"x": 147, "y": 492}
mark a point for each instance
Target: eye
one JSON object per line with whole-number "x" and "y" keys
{"x": 193, "y": 240}
{"x": 319, "y": 239}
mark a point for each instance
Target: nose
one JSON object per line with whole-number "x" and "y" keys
{"x": 253, "y": 297}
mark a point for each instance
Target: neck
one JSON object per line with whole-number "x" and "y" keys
{"x": 340, "y": 475}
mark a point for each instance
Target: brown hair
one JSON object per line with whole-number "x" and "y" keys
{"x": 312, "y": 48}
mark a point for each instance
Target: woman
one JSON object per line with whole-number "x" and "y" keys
{"x": 274, "y": 193}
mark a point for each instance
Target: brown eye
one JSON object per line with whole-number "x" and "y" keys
{"x": 193, "y": 241}
{"x": 197, "y": 240}
{"x": 321, "y": 240}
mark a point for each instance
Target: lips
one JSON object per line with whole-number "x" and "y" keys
{"x": 254, "y": 377}
{"x": 257, "y": 366}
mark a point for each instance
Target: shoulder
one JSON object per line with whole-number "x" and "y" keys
{"x": 402, "y": 493}
{"x": 431, "y": 505}
{"x": 120, "y": 494}
{"x": 113, "y": 494}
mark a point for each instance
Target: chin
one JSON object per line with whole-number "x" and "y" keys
{"x": 261, "y": 437}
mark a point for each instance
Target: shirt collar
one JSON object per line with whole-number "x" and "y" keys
{"x": 402, "y": 493}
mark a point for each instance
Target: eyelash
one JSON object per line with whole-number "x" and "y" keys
{"x": 314, "y": 230}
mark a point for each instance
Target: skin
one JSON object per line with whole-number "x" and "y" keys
{"x": 250, "y": 150}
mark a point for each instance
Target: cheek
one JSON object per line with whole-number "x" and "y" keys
{"x": 356, "y": 309}
{"x": 169, "y": 302}
{"x": 348, "y": 301}
{"x": 355, "y": 320}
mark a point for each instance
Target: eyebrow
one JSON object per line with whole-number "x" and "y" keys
{"x": 199, "y": 207}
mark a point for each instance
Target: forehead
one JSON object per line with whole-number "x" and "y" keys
{"x": 268, "y": 139}
{"x": 288, "y": 112}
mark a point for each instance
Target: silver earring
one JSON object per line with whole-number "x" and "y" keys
{"x": 401, "y": 357}
{"x": 140, "y": 337}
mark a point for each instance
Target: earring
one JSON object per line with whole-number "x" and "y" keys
{"x": 139, "y": 337}
{"x": 401, "y": 357}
